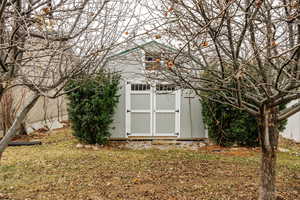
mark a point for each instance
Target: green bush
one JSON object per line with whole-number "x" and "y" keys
{"x": 92, "y": 102}
{"x": 228, "y": 125}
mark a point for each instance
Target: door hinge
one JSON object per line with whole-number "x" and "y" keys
{"x": 177, "y": 111}
{"x": 128, "y": 111}
{"x": 128, "y": 133}
{"x": 176, "y": 133}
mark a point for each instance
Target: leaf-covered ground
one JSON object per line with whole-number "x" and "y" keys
{"x": 58, "y": 170}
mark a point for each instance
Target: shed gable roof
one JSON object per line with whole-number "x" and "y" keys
{"x": 142, "y": 46}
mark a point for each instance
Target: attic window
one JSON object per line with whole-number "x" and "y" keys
{"x": 152, "y": 61}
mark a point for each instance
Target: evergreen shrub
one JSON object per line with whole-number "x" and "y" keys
{"x": 228, "y": 125}
{"x": 92, "y": 102}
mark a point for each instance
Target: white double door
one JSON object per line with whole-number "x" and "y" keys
{"x": 152, "y": 110}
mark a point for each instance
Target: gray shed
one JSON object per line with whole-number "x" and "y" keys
{"x": 152, "y": 109}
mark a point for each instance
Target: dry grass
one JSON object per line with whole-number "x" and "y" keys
{"x": 57, "y": 170}
{"x": 289, "y": 144}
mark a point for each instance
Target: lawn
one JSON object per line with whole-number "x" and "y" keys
{"x": 58, "y": 170}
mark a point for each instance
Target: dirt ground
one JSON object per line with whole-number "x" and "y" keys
{"x": 59, "y": 170}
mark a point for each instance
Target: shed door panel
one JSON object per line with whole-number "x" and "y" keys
{"x": 164, "y": 123}
{"x": 138, "y": 109}
{"x": 165, "y": 101}
{"x": 140, "y": 123}
{"x": 166, "y": 110}
{"x": 140, "y": 102}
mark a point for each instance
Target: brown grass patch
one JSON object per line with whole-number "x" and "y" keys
{"x": 58, "y": 170}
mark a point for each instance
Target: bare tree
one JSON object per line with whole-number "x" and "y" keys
{"x": 9, "y": 106}
{"x": 244, "y": 53}
{"x": 45, "y": 43}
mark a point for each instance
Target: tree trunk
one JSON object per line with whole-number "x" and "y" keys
{"x": 1, "y": 90}
{"x": 22, "y": 130}
{"x": 267, "y": 185}
{"x": 269, "y": 141}
{"x": 17, "y": 123}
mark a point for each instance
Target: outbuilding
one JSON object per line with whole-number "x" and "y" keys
{"x": 150, "y": 109}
